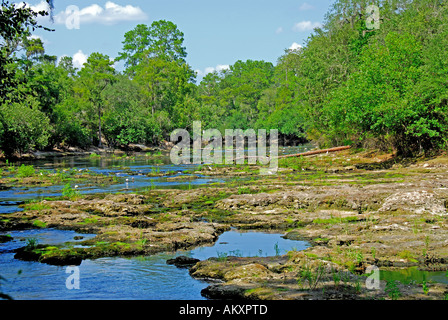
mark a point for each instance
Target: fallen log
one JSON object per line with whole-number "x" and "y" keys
{"x": 313, "y": 152}
{"x": 304, "y": 154}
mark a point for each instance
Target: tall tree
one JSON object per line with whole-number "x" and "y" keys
{"x": 94, "y": 77}
{"x": 161, "y": 40}
{"x": 15, "y": 22}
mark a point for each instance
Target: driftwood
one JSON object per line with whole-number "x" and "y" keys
{"x": 310, "y": 153}
{"x": 304, "y": 154}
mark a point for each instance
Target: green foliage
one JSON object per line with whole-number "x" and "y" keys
{"x": 23, "y": 126}
{"x": 69, "y": 192}
{"x": 347, "y": 85}
{"x": 392, "y": 289}
{"x": 25, "y": 171}
{"x": 31, "y": 243}
{"x": 335, "y": 220}
{"x": 391, "y": 92}
{"x": 425, "y": 287}
{"x": 15, "y": 23}
{"x": 94, "y": 77}
{"x": 39, "y": 224}
{"x": 312, "y": 276}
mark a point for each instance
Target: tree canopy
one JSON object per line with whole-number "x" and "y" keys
{"x": 350, "y": 83}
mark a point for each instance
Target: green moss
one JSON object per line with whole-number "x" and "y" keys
{"x": 406, "y": 254}
{"x": 90, "y": 220}
{"x": 335, "y": 220}
{"x": 37, "y": 206}
{"x": 39, "y": 224}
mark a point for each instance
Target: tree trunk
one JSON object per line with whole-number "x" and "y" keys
{"x": 100, "y": 145}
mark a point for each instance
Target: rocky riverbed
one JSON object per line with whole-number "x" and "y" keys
{"x": 358, "y": 209}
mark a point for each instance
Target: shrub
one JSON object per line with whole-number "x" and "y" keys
{"x": 25, "y": 171}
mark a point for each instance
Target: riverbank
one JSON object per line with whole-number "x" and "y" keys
{"x": 75, "y": 151}
{"x": 358, "y": 209}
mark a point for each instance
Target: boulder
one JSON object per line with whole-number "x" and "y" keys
{"x": 183, "y": 261}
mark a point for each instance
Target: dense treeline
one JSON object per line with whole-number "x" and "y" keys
{"x": 349, "y": 84}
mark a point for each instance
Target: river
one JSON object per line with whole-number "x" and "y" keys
{"x": 146, "y": 277}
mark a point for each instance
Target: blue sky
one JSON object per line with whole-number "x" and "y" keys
{"x": 217, "y": 33}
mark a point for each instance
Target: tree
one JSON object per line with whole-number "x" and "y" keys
{"x": 15, "y": 22}
{"x": 235, "y": 92}
{"x": 23, "y": 126}
{"x": 94, "y": 77}
{"x": 167, "y": 41}
{"x": 34, "y": 48}
{"x": 161, "y": 40}
{"x": 127, "y": 119}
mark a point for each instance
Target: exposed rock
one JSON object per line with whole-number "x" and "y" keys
{"x": 252, "y": 270}
{"x": 418, "y": 201}
{"x": 183, "y": 261}
{"x": 5, "y": 238}
{"x": 27, "y": 254}
{"x": 223, "y": 292}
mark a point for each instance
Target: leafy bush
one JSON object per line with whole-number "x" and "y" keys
{"x": 69, "y": 192}
{"x": 23, "y": 127}
{"x": 25, "y": 171}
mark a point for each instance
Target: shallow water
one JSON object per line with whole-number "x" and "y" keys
{"x": 137, "y": 278}
{"x": 413, "y": 274}
{"x": 120, "y": 278}
{"x": 132, "y": 168}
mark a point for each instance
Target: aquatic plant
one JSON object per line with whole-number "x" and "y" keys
{"x": 69, "y": 192}
{"x": 277, "y": 249}
{"x": 373, "y": 250}
{"x": 313, "y": 277}
{"x": 37, "y": 206}
{"x": 39, "y": 224}
{"x": 31, "y": 243}
{"x": 392, "y": 289}
{"x": 425, "y": 287}
{"x": 244, "y": 190}
{"x": 25, "y": 171}
{"x": 222, "y": 256}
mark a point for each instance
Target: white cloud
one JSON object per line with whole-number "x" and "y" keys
{"x": 295, "y": 46}
{"x": 79, "y": 58}
{"x": 44, "y": 41}
{"x": 219, "y": 67}
{"x": 279, "y": 30}
{"x": 42, "y": 6}
{"x": 305, "y": 7}
{"x": 209, "y": 70}
{"x": 111, "y": 13}
{"x": 306, "y": 26}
